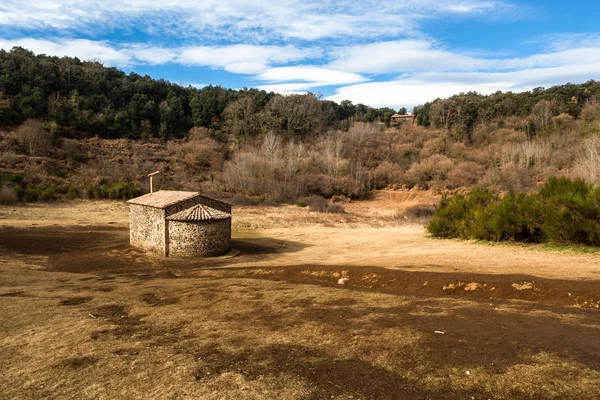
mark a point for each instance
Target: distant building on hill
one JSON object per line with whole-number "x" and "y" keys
{"x": 399, "y": 120}
{"x": 180, "y": 224}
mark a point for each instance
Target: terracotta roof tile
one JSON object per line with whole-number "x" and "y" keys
{"x": 163, "y": 198}
{"x": 199, "y": 212}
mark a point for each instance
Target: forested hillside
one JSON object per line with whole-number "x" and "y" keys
{"x": 463, "y": 112}
{"x": 84, "y": 98}
{"x": 78, "y": 129}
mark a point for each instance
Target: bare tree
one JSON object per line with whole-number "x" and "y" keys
{"x": 333, "y": 146}
{"x": 543, "y": 112}
{"x": 271, "y": 147}
{"x": 34, "y": 137}
{"x": 358, "y": 138}
{"x": 587, "y": 165}
{"x": 294, "y": 156}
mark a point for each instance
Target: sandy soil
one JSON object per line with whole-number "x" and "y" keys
{"x": 86, "y": 316}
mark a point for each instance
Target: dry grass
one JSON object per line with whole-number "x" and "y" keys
{"x": 274, "y": 323}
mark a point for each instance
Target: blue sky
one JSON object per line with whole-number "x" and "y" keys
{"x": 381, "y": 53}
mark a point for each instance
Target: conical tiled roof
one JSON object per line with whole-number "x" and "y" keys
{"x": 199, "y": 212}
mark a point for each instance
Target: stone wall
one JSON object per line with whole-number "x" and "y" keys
{"x": 200, "y": 238}
{"x": 147, "y": 228}
{"x": 217, "y": 205}
{"x": 182, "y": 205}
{"x": 150, "y": 230}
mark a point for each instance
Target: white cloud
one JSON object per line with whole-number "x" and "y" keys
{"x": 316, "y": 76}
{"x": 81, "y": 48}
{"x": 243, "y": 59}
{"x": 303, "y": 78}
{"x": 469, "y": 7}
{"x": 242, "y": 21}
{"x": 239, "y": 59}
{"x": 409, "y": 56}
{"x": 287, "y": 88}
{"x": 423, "y": 87}
{"x": 573, "y": 56}
{"x": 401, "y": 56}
{"x": 150, "y": 54}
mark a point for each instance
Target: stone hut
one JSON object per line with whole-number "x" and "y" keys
{"x": 180, "y": 224}
{"x": 399, "y": 120}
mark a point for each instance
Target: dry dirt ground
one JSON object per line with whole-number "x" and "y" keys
{"x": 83, "y": 315}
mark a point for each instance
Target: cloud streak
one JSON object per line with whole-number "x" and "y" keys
{"x": 243, "y": 20}
{"x": 238, "y": 59}
{"x": 427, "y": 86}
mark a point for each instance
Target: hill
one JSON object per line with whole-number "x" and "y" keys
{"x": 79, "y": 129}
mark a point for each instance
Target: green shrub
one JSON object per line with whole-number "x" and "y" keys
{"x": 563, "y": 211}
{"x": 47, "y": 194}
{"x": 571, "y": 212}
{"x": 455, "y": 216}
{"x": 32, "y": 193}
{"x": 514, "y": 217}
{"x": 72, "y": 193}
{"x": 20, "y": 192}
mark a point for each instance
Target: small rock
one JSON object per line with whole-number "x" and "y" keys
{"x": 440, "y": 332}
{"x": 468, "y": 372}
{"x": 342, "y": 281}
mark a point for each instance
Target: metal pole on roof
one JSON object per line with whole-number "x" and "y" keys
{"x": 152, "y": 175}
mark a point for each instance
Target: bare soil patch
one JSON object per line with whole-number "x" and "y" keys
{"x": 86, "y": 316}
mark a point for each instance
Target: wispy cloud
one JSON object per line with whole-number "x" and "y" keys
{"x": 243, "y": 59}
{"x": 401, "y": 56}
{"x": 239, "y": 59}
{"x": 242, "y": 21}
{"x": 305, "y": 77}
{"x": 81, "y": 48}
{"x": 426, "y": 86}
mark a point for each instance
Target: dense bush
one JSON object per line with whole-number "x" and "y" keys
{"x": 7, "y": 197}
{"x": 563, "y": 211}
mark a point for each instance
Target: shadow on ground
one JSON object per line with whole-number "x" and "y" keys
{"x": 106, "y": 249}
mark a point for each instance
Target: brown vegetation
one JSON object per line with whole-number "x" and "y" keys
{"x": 415, "y": 317}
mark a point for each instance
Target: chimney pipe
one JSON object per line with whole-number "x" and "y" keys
{"x": 151, "y": 176}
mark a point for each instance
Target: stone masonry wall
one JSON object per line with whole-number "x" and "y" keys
{"x": 147, "y": 228}
{"x": 217, "y": 205}
{"x": 182, "y": 205}
{"x": 198, "y": 239}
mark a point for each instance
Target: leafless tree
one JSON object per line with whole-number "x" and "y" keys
{"x": 587, "y": 165}
{"x": 34, "y": 137}
{"x": 543, "y": 112}
{"x": 333, "y": 146}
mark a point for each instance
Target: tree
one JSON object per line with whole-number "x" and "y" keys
{"x": 34, "y": 137}
{"x": 242, "y": 118}
{"x": 543, "y": 113}
{"x": 587, "y": 164}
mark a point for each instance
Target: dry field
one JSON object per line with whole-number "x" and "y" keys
{"x": 83, "y": 315}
